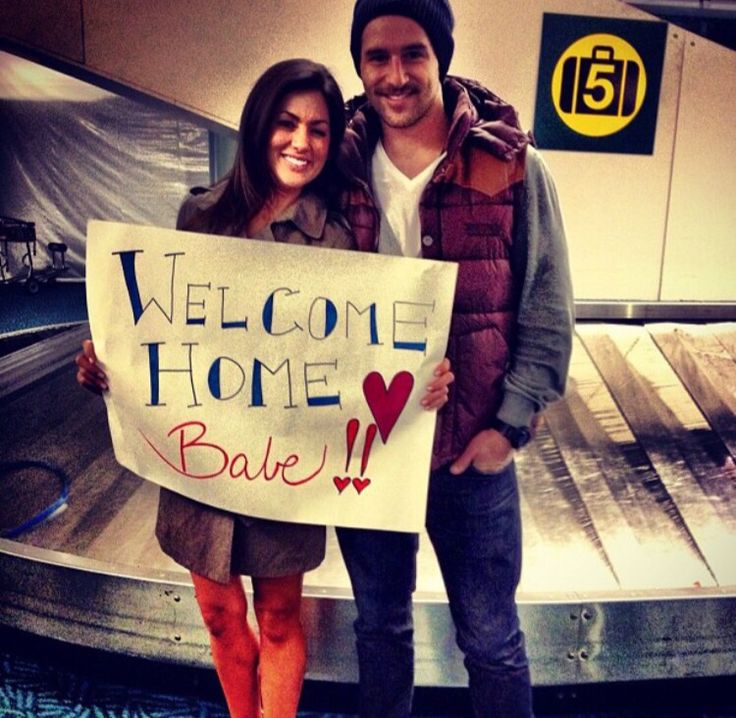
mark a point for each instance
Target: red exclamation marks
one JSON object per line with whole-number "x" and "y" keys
{"x": 351, "y": 434}
{"x": 370, "y": 434}
{"x": 351, "y": 431}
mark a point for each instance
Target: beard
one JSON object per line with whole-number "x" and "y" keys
{"x": 416, "y": 100}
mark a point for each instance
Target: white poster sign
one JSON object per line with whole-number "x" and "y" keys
{"x": 271, "y": 380}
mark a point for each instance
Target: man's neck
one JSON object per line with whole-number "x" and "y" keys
{"x": 411, "y": 149}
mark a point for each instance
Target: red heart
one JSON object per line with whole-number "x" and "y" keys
{"x": 361, "y": 484}
{"x": 386, "y": 405}
{"x": 341, "y": 483}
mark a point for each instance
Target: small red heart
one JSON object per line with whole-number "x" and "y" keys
{"x": 385, "y": 404}
{"x": 341, "y": 483}
{"x": 361, "y": 484}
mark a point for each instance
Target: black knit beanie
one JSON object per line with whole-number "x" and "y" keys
{"x": 435, "y": 17}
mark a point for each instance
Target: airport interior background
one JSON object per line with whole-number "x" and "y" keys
{"x": 43, "y": 675}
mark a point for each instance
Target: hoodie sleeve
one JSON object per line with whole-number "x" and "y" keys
{"x": 541, "y": 354}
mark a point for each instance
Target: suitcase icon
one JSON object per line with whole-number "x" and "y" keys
{"x": 599, "y": 85}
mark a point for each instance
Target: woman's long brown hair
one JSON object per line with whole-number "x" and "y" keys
{"x": 250, "y": 183}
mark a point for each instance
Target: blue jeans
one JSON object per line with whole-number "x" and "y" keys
{"x": 474, "y": 523}
{"x": 382, "y": 569}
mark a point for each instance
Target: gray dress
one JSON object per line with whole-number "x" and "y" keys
{"x": 217, "y": 543}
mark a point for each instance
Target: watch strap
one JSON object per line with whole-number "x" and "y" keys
{"x": 517, "y": 436}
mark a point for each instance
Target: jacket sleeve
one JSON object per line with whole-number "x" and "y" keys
{"x": 541, "y": 355}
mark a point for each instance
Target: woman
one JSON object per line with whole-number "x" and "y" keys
{"x": 283, "y": 186}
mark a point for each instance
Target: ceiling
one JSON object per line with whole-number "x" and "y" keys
{"x": 713, "y": 19}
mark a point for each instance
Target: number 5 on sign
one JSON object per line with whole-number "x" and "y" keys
{"x": 599, "y": 85}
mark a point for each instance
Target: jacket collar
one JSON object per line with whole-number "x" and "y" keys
{"x": 467, "y": 103}
{"x": 308, "y": 213}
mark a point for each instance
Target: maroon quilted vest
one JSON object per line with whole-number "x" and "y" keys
{"x": 466, "y": 215}
{"x": 467, "y": 211}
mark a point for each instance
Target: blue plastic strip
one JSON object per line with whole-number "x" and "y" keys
{"x": 53, "y": 508}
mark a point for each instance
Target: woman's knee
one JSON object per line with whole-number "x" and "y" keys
{"x": 278, "y": 612}
{"x": 222, "y": 606}
{"x": 279, "y": 621}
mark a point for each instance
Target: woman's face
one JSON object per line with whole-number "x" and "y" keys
{"x": 300, "y": 140}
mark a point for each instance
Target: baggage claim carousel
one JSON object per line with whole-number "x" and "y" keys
{"x": 628, "y": 500}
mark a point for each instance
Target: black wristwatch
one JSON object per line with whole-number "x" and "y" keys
{"x": 517, "y": 436}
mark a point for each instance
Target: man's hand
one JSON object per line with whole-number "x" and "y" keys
{"x": 488, "y": 451}
{"x": 436, "y": 394}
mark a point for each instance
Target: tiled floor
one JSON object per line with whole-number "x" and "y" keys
{"x": 41, "y": 678}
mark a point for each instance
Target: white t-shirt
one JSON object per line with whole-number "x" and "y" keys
{"x": 398, "y": 199}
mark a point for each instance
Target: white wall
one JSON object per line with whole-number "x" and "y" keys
{"x": 700, "y": 253}
{"x": 640, "y": 228}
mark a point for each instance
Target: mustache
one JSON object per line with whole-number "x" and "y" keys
{"x": 390, "y": 89}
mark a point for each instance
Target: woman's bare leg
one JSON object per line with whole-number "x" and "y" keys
{"x": 234, "y": 648}
{"x": 283, "y": 658}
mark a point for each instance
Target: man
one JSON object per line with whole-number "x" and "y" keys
{"x": 422, "y": 149}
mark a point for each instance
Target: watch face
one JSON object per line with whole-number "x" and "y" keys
{"x": 517, "y": 436}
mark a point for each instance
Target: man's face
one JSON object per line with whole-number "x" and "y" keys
{"x": 399, "y": 70}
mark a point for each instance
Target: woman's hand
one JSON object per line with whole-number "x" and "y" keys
{"x": 89, "y": 374}
{"x": 436, "y": 395}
